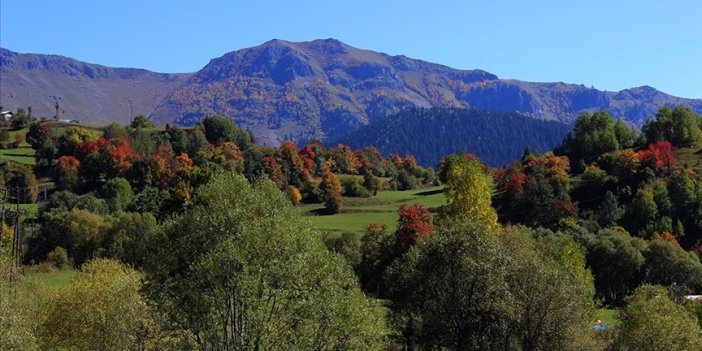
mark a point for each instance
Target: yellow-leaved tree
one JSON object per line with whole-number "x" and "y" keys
{"x": 468, "y": 192}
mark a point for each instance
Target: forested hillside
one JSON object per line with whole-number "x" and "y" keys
{"x": 429, "y": 134}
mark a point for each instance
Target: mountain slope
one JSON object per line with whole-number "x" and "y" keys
{"x": 88, "y": 92}
{"x": 497, "y": 138}
{"x": 325, "y": 88}
{"x": 284, "y": 90}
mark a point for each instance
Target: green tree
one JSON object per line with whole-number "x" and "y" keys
{"x": 551, "y": 288}
{"x": 113, "y": 130}
{"x": 179, "y": 140}
{"x": 617, "y": 262}
{"x": 102, "y": 309}
{"x": 218, "y": 128}
{"x": 241, "y": 270}
{"x": 451, "y": 291}
{"x": 594, "y": 135}
{"x": 467, "y": 192}
{"x": 609, "y": 212}
{"x": 78, "y": 231}
{"x": 118, "y": 194}
{"x": 668, "y": 263}
{"x": 653, "y": 321}
{"x": 378, "y": 250}
{"x": 626, "y": 136}
{"x": 371, "y": 183}
{"x": 128, "y": 235}
{"x": 141, "y": 121}
{"x": 680, "y": 126}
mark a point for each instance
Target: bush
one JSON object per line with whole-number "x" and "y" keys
{"x": 58, "y": 257}
{"x": 353, "y": 187}
{"x": 118, "y": 194}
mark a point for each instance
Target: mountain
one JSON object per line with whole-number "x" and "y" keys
{"x": 88, "y": 92}
{"x": 299, "y": 90}
{"x": 325, "y": 88}
{"x": 497, "y": 138}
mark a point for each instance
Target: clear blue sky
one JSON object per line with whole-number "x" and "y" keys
{"x": 610, "y": 45}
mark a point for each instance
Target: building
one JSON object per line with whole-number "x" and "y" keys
{"x": 6, "y": 116}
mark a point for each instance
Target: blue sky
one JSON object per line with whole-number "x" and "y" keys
{"x": 610, "y": 45}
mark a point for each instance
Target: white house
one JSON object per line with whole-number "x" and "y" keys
{"x": 6, "y": 116}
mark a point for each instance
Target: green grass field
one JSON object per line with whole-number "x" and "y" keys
{"x": 608, "y": 317}
{"x": 24, "y": 155}
{"x": 358, "y": 212}
{"x": 54, "y": 279}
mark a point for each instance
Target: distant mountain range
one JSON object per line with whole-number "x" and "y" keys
{"x": 84, "y": 91}
{"x": 300, "y": 91}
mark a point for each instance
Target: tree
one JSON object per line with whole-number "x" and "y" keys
{"x": 451, "y": 291}
{"x": 179, "y": 140}
{"x": 118, "y": 194}
{"x": 346, "y": 244}
{"x": 4, "y": 136}
{"x": 617, "y": 261}
{"x": 594, "y": 135}
{"x": 66, "y": 173}
{"x": 552, "y": 290}
{"x": 415, "y": 223}
{"x": 467, "y": 192}
{"x": 626, "y": 136}
{"x": 667, "y": 263}
{"x": 102, "y": 309}
{"x": 241, "y": 270}
{"x": 218, "y": 128}
{"x": 39, "y": 134}
{"x": 21, "y": 302}
{"x": 128, "y": 236}
{"x": 659, "y": 156}
{"x": 79, "y": 231}
{"x": 609, "y": 212}
{"x": 114, "y": 130}
{"x": 24, "y": 183}
{"x": 378, "y": 250}
{"x": 371, "y": 183}
{"x": 331, "y": 191}
{"x": 653, "y": 321}
{"x": 680, "y": 126}
{"x": 141, "y": 121}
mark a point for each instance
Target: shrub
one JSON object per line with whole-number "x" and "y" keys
{"x": 58, "y": 257}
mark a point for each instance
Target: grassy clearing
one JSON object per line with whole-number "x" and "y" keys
{"x": 358, "y": 212}
{"x": 52, "y": 279}
{"x": 608, "y": 316}
{"x": 24, "y": 155}
{"x": 691, "y": 156}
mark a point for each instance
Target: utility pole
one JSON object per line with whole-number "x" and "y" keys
{"x": 2, "y": 215}
{"x": 17, "y": 230}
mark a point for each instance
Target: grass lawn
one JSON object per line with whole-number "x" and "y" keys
{"x": 24, "y": 155}
{"x": 54, "y": 279}
{"x": 358, "y": 212}
{"x": 608, "y": 317}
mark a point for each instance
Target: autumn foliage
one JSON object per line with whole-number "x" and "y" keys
{"x": 415, "y": 222}
{"x": 331, "y": 190}
{"x": 659, "y": 156}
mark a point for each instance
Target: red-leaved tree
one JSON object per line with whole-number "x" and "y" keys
{"x": 414, "y": 223}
